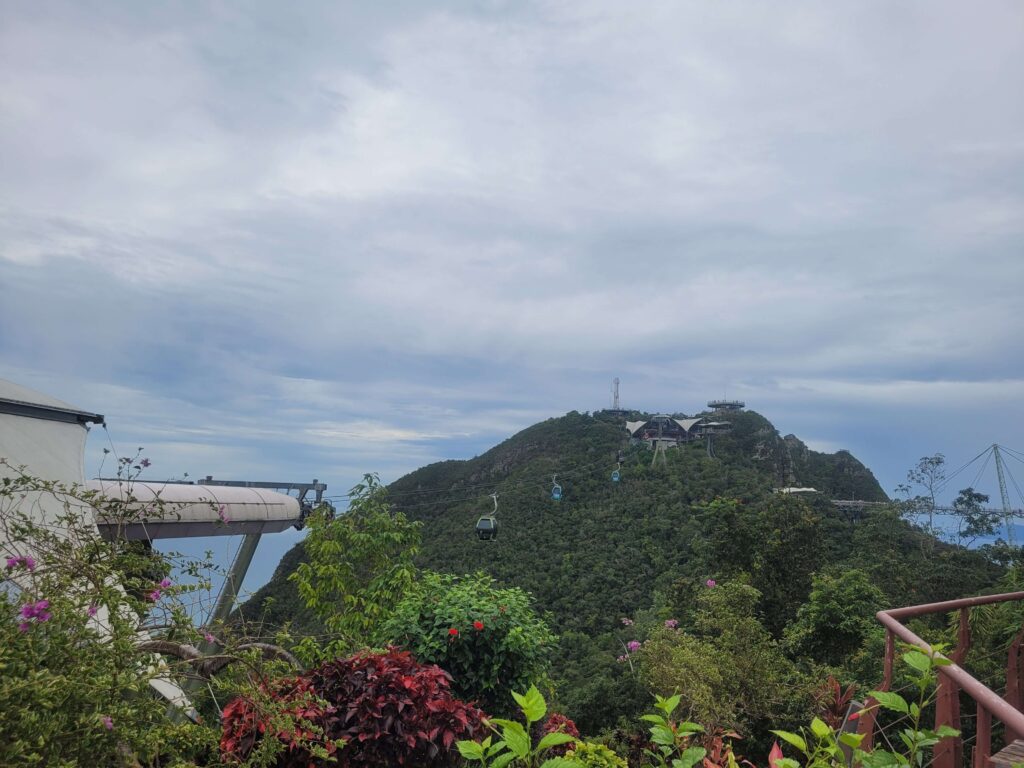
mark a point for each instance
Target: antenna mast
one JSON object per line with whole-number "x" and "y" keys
{"x": 1007, "y": 512}
{"x": 615, "y": 393}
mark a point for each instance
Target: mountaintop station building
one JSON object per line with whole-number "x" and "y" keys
{"x": 668, "y": 431}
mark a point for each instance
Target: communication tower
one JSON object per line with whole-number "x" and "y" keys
{"x": 615, "y": 393}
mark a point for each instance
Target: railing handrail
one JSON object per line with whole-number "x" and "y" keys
{"x": 950, "y": 605}
{"x": 981, "y": 693}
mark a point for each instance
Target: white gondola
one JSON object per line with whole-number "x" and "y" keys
{"x": 556, "y": 489}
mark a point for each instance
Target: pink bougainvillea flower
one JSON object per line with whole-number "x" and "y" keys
{"x": 108, "y": 722}
{"x": 24, "y": 560}
{"x": 627, "y": 622}
{"x": 633, "y": 646}
{"x": 24, "y": 626}
{"x": 91, "y": 610}
{"x": 165, "y": 583}
{"x": 671, "y": 623}
{"x": 478, "y": 625}
{"x": 710, "y": 583}
{"x": 154, "y": 595}
{"x": 222, "y": 514}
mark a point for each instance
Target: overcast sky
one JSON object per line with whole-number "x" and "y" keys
{"x": 296, "y": 240}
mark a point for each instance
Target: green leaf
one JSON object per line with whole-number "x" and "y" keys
{"x": 918, "y": 661}
{"x": 851, "y": 739}
{"x": 502, "y": 760}
{"x": 515, "y": 737}
{"x": 945, "y": 732}
{"x": 553, "y": 740}
{"x": 892, "y": 701}
{"x": 658, "y": 719}
{"x": 794, "y": 739}
{"x": 470, "y": 750}
{"x": 819, "y": 729}
{"x": 669, "y": 705}
{"x": 531, "y": 703}
{"x": 559, "y": 762}
{"x": 662, "y": 734}
{"x": 688, "y": 727}
{"x": 690, "y": 757}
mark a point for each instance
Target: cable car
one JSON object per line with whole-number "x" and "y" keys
{"x": 487, "y": 528}
{"x": 556, "y": 489}
{"x": 487, "y": 525}
{"x": 616, "y": 476}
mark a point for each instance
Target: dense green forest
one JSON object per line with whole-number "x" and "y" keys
{"x": 697, "y": 543}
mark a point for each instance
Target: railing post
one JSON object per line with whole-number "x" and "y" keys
{"x": 1014, "y": 684}
{"x": 983, "y": 741}
{"x": 949, "y": 753}
{"x": 867, "y": 719}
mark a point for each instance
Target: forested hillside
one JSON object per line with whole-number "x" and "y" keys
{"x": 641, "y": 549}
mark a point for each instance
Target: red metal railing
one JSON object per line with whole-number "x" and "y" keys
{"x": 953, "y": 679}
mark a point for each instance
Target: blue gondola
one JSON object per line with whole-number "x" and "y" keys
{"x": 556, "y": 489}
{"x": 615, "y": 476}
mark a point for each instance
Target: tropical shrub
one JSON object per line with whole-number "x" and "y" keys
{"x": 490, "y": 640}
{"x": 587, "y": 755}
{"x": 728, "y": 669}
{"x": 359, "y": 566}
{"x": 386, "y": 708}
{"x": 559, "y": 723}
{"x": 837, "y": 618}
{"x": 515, "y": 747}
{"x": 76, "y": 685}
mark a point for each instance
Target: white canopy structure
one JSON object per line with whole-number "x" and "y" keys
{"x": 180, "y": 510}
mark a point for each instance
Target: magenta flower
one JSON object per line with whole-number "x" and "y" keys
{"x": 165, "y": 583}
{"x": 223, "y": 515}
{"x": 144, "y": 463}
{"x": 92, "y": 609}
{"x": 108, "y": 722}
{"x": 154, "y": 595}
{"x": 710, "y": 583}
{"x": 621, "y": 659}
{"x": 24, "y": 560}
{"x": 671, "y": 623}
{"x": 633, "y": 646}
{"x": 36, "y": 611}
{"x": 627, "y": 622}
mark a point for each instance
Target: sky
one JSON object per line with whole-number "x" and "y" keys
{"x": 293, "y": 240}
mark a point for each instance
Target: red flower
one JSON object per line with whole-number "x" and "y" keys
{"x": 854, "y": 716}
{"x": 478, "y": 625}
{"x": 453, "y": 631}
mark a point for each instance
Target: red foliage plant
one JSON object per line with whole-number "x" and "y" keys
{"x": 558, "y": 723}
{"x": 388, "y": 708}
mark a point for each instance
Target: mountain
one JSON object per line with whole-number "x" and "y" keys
{"x": 608, "y": 550}
{"x": 618, "y": 540}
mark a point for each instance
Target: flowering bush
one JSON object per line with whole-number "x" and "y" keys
{"x": 386, "y": 708}
{"x": 491, "y": 640}
{"x": 559, "y": 723}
